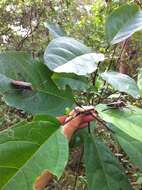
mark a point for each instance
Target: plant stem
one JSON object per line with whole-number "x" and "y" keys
{"x": 111, "y": 61}
{"x": 95, "y": 74}
{"x": 108, "y": 68}
{"x": 122, "y": 51}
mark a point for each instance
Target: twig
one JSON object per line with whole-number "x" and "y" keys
{"x": 71, "y": 118}
{"x": 101, "y": 122}
{"x": 118, "y": 60}
{"x": 110, "y": 64}
{"x": 88, "y": 112}
{"x": 95, "y": 74}
{"x": 78, "y": 104}
{"x": 108, "y": 68}
{"x": 122, "y": 51}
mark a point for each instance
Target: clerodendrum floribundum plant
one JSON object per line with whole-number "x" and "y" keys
{"x": 29, "y": 148}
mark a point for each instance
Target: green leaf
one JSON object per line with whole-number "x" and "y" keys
{"x": 121, "y": 82}
{"x": 139, "y": 81}
{"x": 55, "y": 29}
{"x": 122, "y": 23}
{"x": 102, "y": 168}
{"x": 12, "y": 65}
{"x": 67, "y": 55}
{"x": 27, "y": 151}
{"x": 44, "y": 98}
{"x": 81, "y": 65}
{"x": 46, "y": 118}
{"x": 129, "y": 120}
{"x": 79, "y": 83}
{"x": 131, "y": 146}
{"x": 27, "y": 137}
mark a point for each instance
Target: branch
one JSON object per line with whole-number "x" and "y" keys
{"x": 95, "y": 74}
{"x": 122, "y": 51}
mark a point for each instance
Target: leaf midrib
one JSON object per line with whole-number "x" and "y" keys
{"x": 103, "y": 167}
{"x": 25, "y": 162}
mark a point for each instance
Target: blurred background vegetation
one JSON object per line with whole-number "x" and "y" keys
{"x": 22, "y": 28}
{"x": 22, "y": 24}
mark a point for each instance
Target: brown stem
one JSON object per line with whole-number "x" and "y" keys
{"x": 108, "y": 68}
{"x": 95, "y": 74}
{"x": 122, "y": 52}
{"x": 110, "y": 64}
{"x": 101, "y": 122}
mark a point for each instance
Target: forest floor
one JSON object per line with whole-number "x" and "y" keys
{"x": 73, "y": 179}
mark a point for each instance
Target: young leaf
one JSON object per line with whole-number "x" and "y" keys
{"x": 129, "y": 120}
{"x": 67, "y": 55}
{"x": 44, "y": 98}
{"x": 122, "y": 23}
{"x": 29, "y": 150}
{"x": 121, "y": 82}
{"x": 131, "y": 146}
{"x": 55, "y": 29}
{"x": 102, "y": 168}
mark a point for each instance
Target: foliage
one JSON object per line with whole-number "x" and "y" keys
{"x": 118, "y": 30}
{"x": 32, "y": 139}
{"x": 66, "y": 55}
{"x": 28, "y": 149}
{"x": 113, "y": 178}
{"x": 39, "y": 75}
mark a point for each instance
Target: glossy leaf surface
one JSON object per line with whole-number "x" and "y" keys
{"x": 122, "y": 23}
{"x": 121, "y": 82}
{"x": 28, "y": 150}
{"x": 67, "y": 55}
{"x": 129, "y": 120}
{"x": 102, "y": 168}
{"x": 131, "y": 146}
{"x": 44, "y": 98}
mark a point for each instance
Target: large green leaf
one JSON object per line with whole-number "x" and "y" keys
{"x": 45, "y": 98}
{"x": 121, "y": 82}
{"x": 131, "y": 146}
{"x": 139, "y": 81}
{"x": 27, "y": 151}
{"x": 67, "y": 55}
{"x": 102, "y": 168}
{"x": 129, "y": 120}
{"x": 81, "y": 65}
{"x": 122, "y": 23}
{"x": 55, "y": 29}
